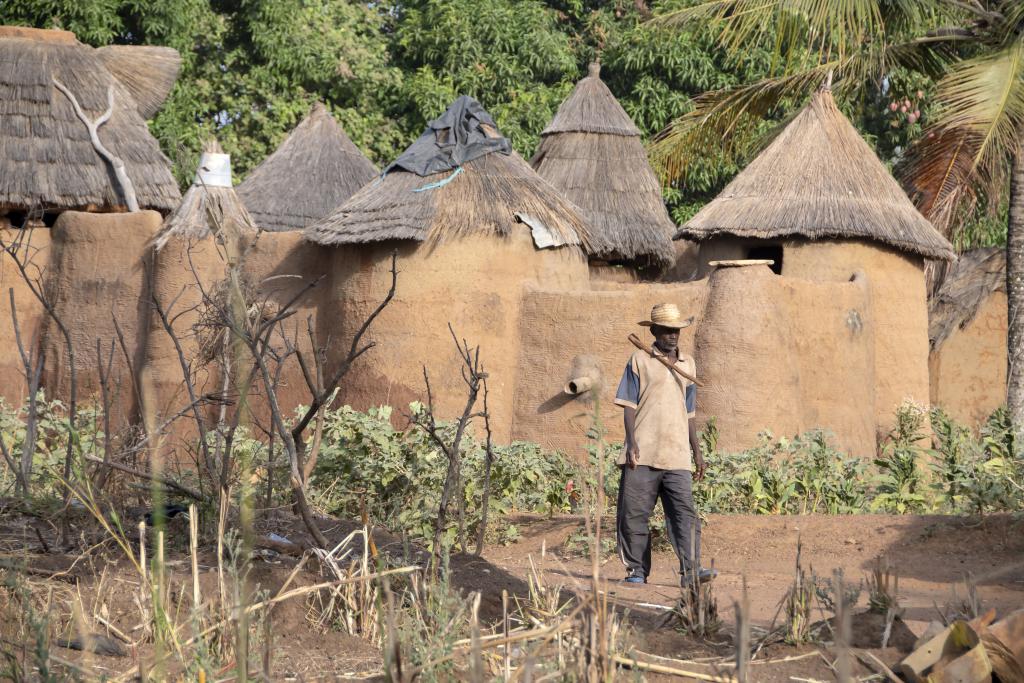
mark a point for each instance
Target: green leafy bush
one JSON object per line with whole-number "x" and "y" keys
{"x": 900, "y": 479}
{"x": 397, "y": 475}
{"x": 976, "y": 475}
{"x": 781, "y": 476}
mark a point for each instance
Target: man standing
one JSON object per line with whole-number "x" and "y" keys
{"x": 662, "y": 455}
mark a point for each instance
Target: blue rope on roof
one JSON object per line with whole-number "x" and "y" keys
{"x": 440, "y": 183}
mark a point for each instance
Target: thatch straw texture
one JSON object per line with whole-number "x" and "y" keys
{"x": 47, "y": 160}
{"x": 592, "y": 153}
{"x": 973, "y": 278}
{"x": 592, "y": 108}
{"x": 148, "y": 71}
{"x": 488, "y": 195}
{"x": 818, "y": 179}
{"x": 204, "y": 208}
{"x": 312, "y": 173}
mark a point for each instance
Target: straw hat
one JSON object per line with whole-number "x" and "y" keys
{"x": 667, "y": 315}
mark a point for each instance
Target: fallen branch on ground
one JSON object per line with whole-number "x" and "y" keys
{"x": 169, "y": 483}
{"x": 661, "y": 669}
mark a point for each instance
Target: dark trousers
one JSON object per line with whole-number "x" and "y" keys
{"x": 639, "y": 490}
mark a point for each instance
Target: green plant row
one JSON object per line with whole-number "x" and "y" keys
{"x": 394, "y": 476}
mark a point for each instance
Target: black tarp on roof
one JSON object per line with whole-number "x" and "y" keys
{"x": 451, "y": 140}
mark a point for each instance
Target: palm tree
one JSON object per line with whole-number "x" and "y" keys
{"x": 973, "y": 147}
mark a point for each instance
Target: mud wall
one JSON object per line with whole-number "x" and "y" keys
{"x": 787, "y": 355}
{"x": 899, "y": 313}
{"x": 968, "y": 372}
{"x": 760, "y": 342}
{"x": 35, "y": 248}
{"x": 98, "y": 275}
{"x": 475, "y": 283}
{"x": 178, "y": 274}
{"x": 898, "y": 308}
{"x": 286, "y": 271}
{"x": 558, "y": 326}
{"x": 278, "y": 267}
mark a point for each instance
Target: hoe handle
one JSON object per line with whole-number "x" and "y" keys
{"x": 640, "y": 345}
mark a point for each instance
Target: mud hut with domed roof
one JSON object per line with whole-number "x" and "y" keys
{"x": 473, "y": 226}
{"x": 592, "y": 153}
{"x": 64, "y": 198}
{"x": 208, "y": 232}
{"x": 821, "y": 205}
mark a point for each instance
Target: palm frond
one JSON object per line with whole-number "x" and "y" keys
{"x": 710, "y": 126}
{"x": 985, "y": 96}
{"x": 824, "y": 30}
{"x": 939, "y": 175}
{"x": 717, "y": 116}
{"x": 1013, "y": 21}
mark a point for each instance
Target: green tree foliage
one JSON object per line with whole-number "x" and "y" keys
{"x": 253, "y": 68}
{"x": 512, "y": 56}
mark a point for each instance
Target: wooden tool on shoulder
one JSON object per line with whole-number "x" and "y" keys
{"x": 640, "y": 345}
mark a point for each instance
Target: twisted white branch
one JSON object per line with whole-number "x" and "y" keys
{"x": 127, "y": 188}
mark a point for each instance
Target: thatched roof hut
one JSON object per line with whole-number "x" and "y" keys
{"x": 818, "y": 180}
{"x": 209, "y": 204}
{"x": 592, "y": 153}
{"x": 490, "y": 191}
{"x": 48, "y": 161}
{"x": 312, "y": 173}
{"x": 971, "y": 281}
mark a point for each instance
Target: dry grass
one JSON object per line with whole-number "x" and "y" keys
{"x": 592, "y": 108}
{"x": 148, "y": 71}
{"x": 818, "y": 179}
{"x": 49, "y": 160}
{"x": 883, "y": 586}
{"x": 205, "y": 210}
{"x": 971, "y": 280}
{"x": 490, "y": 195}
{"x": 592, "y": 153}
{"x": 312, "y": 173}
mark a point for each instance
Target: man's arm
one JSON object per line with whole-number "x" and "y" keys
{"x": 632, "y": 450}
{"x": 698, "y": 458}
{"x": 628, "y": 397}
{"x": 691, "y": 412}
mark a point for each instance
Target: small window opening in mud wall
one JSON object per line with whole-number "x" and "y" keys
{"x": 771, "y": 252}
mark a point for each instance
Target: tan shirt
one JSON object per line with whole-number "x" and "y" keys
{"x": 662, "y": 410}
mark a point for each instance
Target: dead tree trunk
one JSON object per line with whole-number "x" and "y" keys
{"x": 1015, "y": 298}
{"x": 474, "y": 376}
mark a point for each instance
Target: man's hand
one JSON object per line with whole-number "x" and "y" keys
{"x": 632, "y": 456}
{"x": 699, "y": 465}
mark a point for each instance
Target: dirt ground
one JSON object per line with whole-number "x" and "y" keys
{"x": 931, "y": 554}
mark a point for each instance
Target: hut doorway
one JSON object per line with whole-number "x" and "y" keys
{"x": 768, "y": 251}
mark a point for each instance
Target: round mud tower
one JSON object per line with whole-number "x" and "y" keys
{"x": 180, "y": 272}
{"x": 283, "y": 271}
{"x": 32, "y": 246}
{"x": 98, "y": 276}
{"x": 473, "y": 282}
{"x": 745, "y": 360}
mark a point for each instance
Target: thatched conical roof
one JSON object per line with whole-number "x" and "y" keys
{"x": 209, "y": 204}
{"x": 818, "y": 179}
{"x": 971, "y": 280}
{"x": 48, "y": 161}
{"x": 489, "y": 194}
{"x": 312, "y": 173}
{"x": 592, "y": 153}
